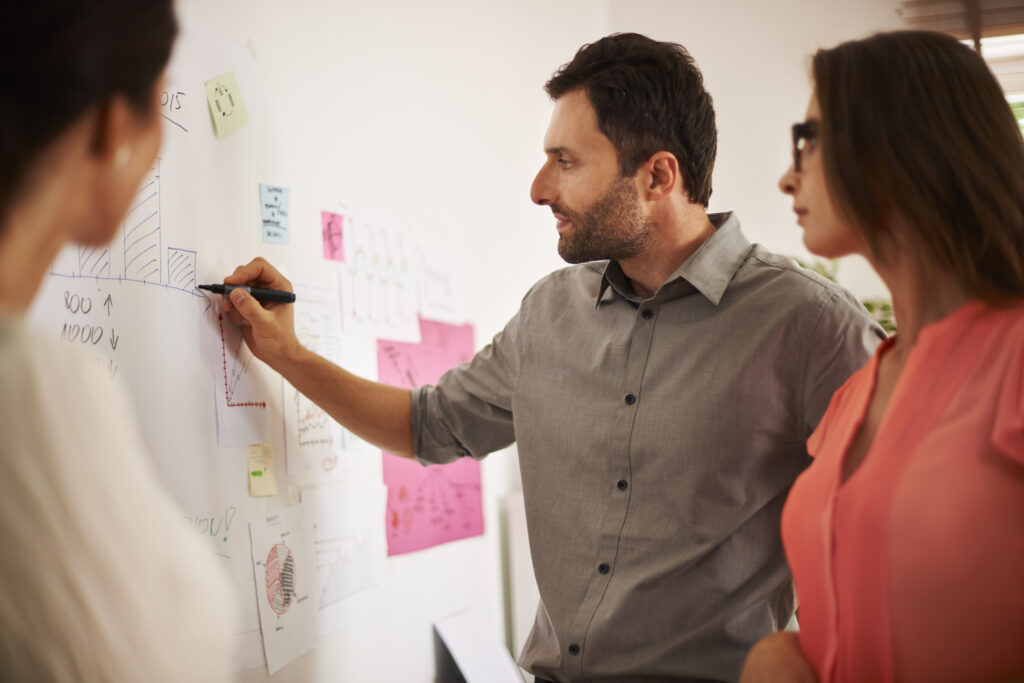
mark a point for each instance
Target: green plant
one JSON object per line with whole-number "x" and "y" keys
{"x": 880, "y": 308}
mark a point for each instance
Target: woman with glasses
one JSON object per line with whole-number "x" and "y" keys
{"x": 906, "y": 534}
{"x": 99, "y": 578}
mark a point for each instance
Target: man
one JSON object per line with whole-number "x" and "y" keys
{"x": 660, "y": 392}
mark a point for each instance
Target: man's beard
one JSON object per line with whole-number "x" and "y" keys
{"x": 612, "y": 228}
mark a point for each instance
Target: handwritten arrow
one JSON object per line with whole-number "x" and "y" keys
{"x": 113, "y": 339}
{"x": 108, "y": 303}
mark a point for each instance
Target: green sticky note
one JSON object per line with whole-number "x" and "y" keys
{"x": 227, "y": 108}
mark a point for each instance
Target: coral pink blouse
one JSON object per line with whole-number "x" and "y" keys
{"x": 913, "y": 569}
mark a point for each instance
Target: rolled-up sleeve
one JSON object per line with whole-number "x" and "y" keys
{"x": 469, "y": 411}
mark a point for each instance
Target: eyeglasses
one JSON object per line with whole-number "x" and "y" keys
{"x": 804, "y": 134}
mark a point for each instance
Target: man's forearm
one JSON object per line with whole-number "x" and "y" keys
{"x": 375, "y": 412}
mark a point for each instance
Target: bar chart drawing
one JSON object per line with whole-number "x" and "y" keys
{"x": 181, "y": 269}
{"x": 137, "y": 253}
{"x": 142, "y": 236}
{"x": 94, "y": 261}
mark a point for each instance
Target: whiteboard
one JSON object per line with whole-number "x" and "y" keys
{"x": 133, "y": 305}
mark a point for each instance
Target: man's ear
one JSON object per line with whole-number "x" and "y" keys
{"x": 662, "y": 175}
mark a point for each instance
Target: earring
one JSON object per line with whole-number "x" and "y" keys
{"x": 122, "y": 156}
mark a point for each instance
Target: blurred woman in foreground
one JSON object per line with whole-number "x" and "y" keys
{"x": 100, "y": 579}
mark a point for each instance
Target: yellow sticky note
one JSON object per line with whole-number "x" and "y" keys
{"x": 227, "y": 108}
{"x": 261, "y": 470}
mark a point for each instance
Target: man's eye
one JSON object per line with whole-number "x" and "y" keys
{"x": 564, "y": 163}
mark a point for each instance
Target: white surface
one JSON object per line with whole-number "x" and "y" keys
{"x": 523, "y": 592}
{"x": 474, "y": 644}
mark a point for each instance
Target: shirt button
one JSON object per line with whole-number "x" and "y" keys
{"x": 623, "y": 484}
{"x": 647, "y": 314}
{"x": 574, "y": 649}
{"x": 630, "y": 399}
{"x": 603, "y": 568}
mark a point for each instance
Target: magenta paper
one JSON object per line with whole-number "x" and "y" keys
{"x": 334, "y": 246}
{"x": 431, "y": 505}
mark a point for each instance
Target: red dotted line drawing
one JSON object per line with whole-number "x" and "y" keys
{"x": 224, "y": 358}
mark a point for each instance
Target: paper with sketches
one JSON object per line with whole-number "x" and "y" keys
{"x": 333, "y": 225}
{"x": 439, "y": 503}
{"x": 314, "y": 441}
{"x": 280, "y": 563}
{"x": 439, "y": 289}
{"x": 240, "y": 400}
{"x": 378, "y": 280}
{"x": 345, "y": 529}
{"x": 274, "y": 207}
{"x": 227, "y": 107}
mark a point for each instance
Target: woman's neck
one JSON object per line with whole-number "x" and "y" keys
{"x": 921, "y": 295}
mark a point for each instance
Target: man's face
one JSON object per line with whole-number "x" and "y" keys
{"x": 597, "y": 210}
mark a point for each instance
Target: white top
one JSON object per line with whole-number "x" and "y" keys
{"x": 99, "y": 578}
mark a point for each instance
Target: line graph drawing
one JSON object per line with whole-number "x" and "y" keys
{"x": 314, "y": 425}
{"x": 347, "y": 561}
{"x": 239, "y": 369}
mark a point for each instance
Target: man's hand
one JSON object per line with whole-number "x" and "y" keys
{"x": 268, "y": 329}
{"x": 778, "y": 659}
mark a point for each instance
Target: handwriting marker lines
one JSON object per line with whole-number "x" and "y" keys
{"x": 181, "y": 267}
{"x": 174, "y": 122}
{"x": 142, "y": 202}
{"x": 121, "y": 278}
{"x": 131, "y": 233}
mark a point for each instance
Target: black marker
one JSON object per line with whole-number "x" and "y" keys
{"x": 258, "y": 293}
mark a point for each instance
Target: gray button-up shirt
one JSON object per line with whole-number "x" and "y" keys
{"x": 657, "y": 441}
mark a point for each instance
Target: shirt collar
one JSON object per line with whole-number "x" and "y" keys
{"x": 709, "y": 270}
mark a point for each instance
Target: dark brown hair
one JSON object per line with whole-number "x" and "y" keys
{"x": 60, "y": 57}
{"x": 649, "y": 96}
{"x": 916, "y": 132}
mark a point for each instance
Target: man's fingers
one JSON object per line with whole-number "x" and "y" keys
{"x": 260, "y": 273}
{"x": 248, "y": 308}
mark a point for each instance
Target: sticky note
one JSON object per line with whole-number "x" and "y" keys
{"x": 227, "y": 108}
{"x": 334, "y": 247}
{"x": 274, "y": 201}
{"x": 262, "y": 481}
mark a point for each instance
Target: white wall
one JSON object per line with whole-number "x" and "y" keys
{"x": 755, "y": 57}
{"x": 433, "y": 112}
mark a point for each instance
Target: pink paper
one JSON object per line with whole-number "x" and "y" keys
{"x": 334, "y": 247}
{"x": 431, "y": 505}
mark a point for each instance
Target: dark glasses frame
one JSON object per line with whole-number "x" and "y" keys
{"x": 803, "y": 134}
